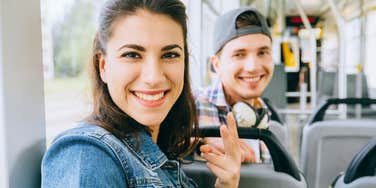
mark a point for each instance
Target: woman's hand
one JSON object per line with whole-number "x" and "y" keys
{"x": 247, "y": 152}
{"x": 225, "y": 165}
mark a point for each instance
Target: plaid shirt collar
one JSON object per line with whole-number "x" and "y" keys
{"x": 216, "y": 95}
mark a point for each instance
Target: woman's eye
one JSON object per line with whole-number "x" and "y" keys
{"x": 131, "y": 55}
{"x": 171, "y": 55}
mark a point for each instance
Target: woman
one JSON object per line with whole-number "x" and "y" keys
{"x": 141, "y": 124}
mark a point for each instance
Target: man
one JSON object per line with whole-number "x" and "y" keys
{"x": 243, "y": 62}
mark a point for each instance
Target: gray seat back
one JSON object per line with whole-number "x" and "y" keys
{"x": 365, "y": 182}
{"x": 362, "y": 169}
{"x": 351, "y": 86}
{"x": 328, "y": 89}
{"x": 281, "y": 173}
{"x": 280, "y": 131}
{"x": 326, "y": 84}
{"x": 276, "y": 90}
{"x": 252, "y": 175}
{"x": 329, "y": 146}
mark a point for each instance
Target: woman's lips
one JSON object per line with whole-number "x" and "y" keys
{"x": 151, "y": 99}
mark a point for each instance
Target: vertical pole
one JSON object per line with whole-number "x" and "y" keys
{"x": 281, "y": 16}
{"x": 362, "y": 52}
{"x": 342, "y": 78}
{"x": 313, "y": 63}
{"x": 303, "y": 100}
{"x": 278, "y": 32}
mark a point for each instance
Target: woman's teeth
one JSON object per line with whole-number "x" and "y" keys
{"x": 147, "y": 97}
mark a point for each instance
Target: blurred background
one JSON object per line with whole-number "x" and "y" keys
{"x": 321, "y": 49}
{"x": 68, "y": 28}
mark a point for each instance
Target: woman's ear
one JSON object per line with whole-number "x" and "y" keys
{"x": 214, "y": 59}
{"x": 102, "y": 66}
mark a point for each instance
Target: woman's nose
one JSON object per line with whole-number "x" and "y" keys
{"x": 152, "y": 72}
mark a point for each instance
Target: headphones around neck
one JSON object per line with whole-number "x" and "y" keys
{"x": 248, "y": 116}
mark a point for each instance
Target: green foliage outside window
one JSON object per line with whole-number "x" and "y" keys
{"x": 73, "y": 40}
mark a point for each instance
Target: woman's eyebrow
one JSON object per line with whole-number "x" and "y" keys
{"x": 133, "y": 46}
{"x": 172, "y": 46}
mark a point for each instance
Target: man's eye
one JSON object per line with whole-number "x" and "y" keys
{"x": 171, "y": 55}
{"x": 238, "y": 55}
{"x": 262, "y": 53}
{"x": 132, "y": 55}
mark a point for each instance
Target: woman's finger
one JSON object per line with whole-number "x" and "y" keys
{"x": 222, "y": 161}
{"x": 215, "y": 142}
{"x": 210, "y": 149}
{"x": 227, "y": 167}
{"x": 231, "y": 124}
{"x": 230, "y": 138}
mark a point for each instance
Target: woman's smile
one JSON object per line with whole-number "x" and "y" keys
{"x": 149, "y": 98}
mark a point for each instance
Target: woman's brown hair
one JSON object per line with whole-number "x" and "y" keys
{"x": 181, "y": 123}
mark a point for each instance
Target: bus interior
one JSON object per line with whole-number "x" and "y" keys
{"x": 322, "y": 94}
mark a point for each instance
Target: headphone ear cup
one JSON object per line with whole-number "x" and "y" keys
{"x": 245, "y": 115}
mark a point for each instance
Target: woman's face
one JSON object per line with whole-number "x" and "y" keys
{"x": 144, "y": 66}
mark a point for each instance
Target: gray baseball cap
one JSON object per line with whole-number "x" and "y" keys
{"x": 225, "y": 27}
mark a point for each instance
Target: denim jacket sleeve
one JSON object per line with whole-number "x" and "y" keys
{"x": 81, "y": 161}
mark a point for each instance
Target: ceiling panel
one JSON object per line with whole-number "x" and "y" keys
{"x": 310, "y": 7}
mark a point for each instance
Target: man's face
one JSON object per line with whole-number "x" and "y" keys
{"x": 245, "y": 67}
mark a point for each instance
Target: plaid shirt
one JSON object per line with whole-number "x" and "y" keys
{"x": 212, "y": 109}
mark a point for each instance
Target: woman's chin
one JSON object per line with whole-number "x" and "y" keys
{"x": 149, "y": 120}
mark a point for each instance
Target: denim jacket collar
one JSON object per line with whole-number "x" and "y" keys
{"x": 146, "y": 150}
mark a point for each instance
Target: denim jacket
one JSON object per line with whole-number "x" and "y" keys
{"x": 90, "y": 156}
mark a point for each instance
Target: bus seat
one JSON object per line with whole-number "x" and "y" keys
{"x": 277, "y": 125}
{"x": 351, "y": 86}
{"x": 273, "y": 110}
{"x": 282, "y": 172}
{"x": 326, "y": 84}
{"x": 280, "y": 131}
{"x": 361, "y": 172}
{"x": 328, "y": 146}
{"x": 364, "y": 182}
{"x": 328, "y": 89}
{"x": 252, "y": 175}
{"x": 276, "y": 90}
